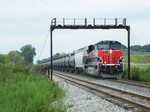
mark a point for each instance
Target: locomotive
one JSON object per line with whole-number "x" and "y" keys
{"x": 102, "y": 59}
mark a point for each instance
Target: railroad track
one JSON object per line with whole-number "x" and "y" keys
{"x": 126, "y": 99}
{"x": 134, "y": 83}
{"x": 125, "y": 81}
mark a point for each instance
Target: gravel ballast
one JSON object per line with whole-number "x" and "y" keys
{"x": 79, "y": 100}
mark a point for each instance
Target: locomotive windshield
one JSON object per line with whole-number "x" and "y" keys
{"x": 102, "y": 46}
{"x": 108, "y": 45}
{"x": 115, "y": 46}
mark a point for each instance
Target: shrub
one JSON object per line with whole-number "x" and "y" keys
{"x": 22, "y": 69}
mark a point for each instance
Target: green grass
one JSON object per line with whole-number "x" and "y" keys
{"x": 140, "y": 67}
{"x": 138, "y": 73}
{"x": 20, "y": 92}
{"x": 138, "y": 58}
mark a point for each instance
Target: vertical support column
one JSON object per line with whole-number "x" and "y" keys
{"x": 85, "y": 22}
{"x": 63, "y": 21}
{"x": 51, "y": 53}
{"x": 128, "y": 29}
{"x": 105, "y": 22}
{"x": 116, "y": 21}
{"x": 74, "y": 21}
{"x": 94, "y": 22}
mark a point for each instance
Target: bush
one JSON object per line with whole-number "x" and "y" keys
{"x": 22, "y": 69}
{"x": 5, "y": 72}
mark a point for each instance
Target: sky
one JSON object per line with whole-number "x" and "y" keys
{"x": 25, "y": 22}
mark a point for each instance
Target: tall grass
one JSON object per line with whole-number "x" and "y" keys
{"x": 138, "y": 58}
{"x": 21, "y": 91}
{"x": 138, "y": 73}
{"x": 140, "y": 67}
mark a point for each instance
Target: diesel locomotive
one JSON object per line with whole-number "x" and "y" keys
{"x": 102, "y": 59}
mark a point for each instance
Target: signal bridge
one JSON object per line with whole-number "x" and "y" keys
{"x": 88, "y": 23}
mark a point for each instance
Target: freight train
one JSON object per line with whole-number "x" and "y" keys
{"x": 102, "y": 59}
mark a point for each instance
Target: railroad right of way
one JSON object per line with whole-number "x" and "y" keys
{"x": 123, "y": 98}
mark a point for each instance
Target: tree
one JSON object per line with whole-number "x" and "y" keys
{"x": 15, "y": 57}
{"x": 3, "y": 58}
{"x": 28, "y": 53}
{"x": 136, "y": 48}
{"x": 146, "y": 47}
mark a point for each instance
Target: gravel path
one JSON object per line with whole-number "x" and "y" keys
{"x": 80, "y": 100}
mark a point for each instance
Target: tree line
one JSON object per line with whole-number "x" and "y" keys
{"x": 138, "y": 48}
{"x": 26, "y": 56}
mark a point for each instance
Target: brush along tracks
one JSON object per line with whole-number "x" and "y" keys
{"x": 123, "y": 98}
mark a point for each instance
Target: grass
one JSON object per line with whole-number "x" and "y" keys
{"x": 138, "y": 58}
{"x": 138, "y": 73}
{"x": 140, "y": 67}
{"x": 21, "y": 92}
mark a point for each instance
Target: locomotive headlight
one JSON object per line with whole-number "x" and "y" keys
{"x": 105, "y": 62}
{"x": 110, "y": 51}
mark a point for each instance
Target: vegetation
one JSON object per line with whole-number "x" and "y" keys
{"x": 145, "y": 48}
{"x": 140, "y": 67}
{"x": 22, "y": 90}
{"x": 138, "y": 59}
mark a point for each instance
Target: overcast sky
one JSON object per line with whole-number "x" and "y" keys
{"x": 27, "y": 22}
